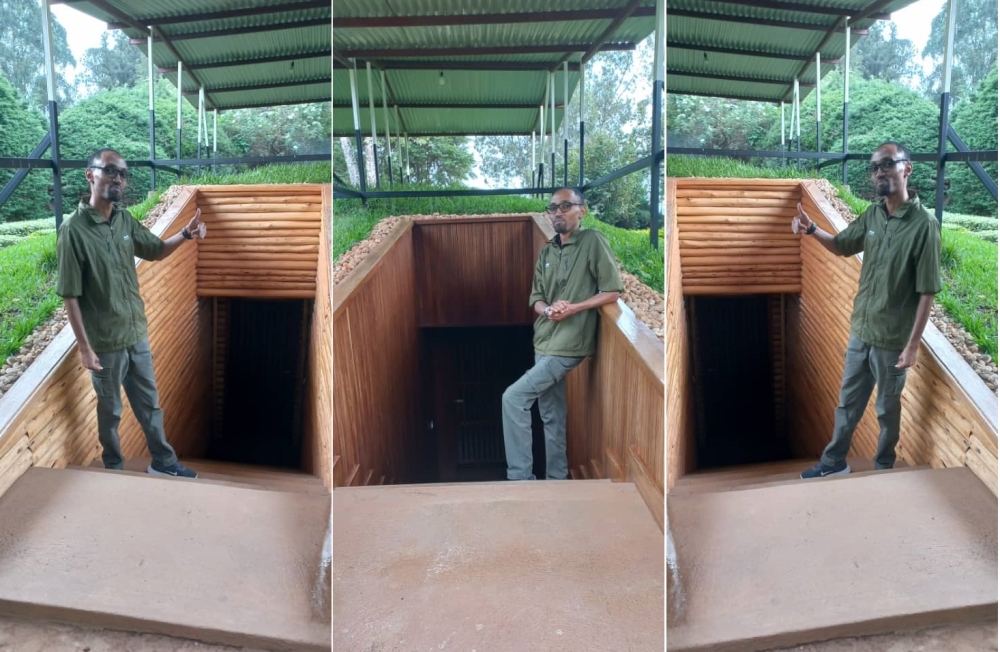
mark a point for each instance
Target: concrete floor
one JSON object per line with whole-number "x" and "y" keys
{"x": 790, "y": 564}
{"x": 553, "y": 565}
{"x": 971, "y": 637}
{"x": 215, "y": 563}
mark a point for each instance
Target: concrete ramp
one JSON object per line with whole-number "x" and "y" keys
{"x": 215, "y": 563}
{"x": 554, "y": 565}
{"x": 796, "y": 563}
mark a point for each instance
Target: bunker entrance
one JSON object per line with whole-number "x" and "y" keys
{"x": 260, "y": 362}
{"x": 738, "y": 365}
{"x": 465, "y": 371}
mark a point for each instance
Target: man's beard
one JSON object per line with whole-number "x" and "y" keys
{"x": 883, "y": 189}
{"x": 114, "y": 194}
{"x": 561, "y": 227}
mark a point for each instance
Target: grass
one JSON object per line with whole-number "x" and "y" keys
{"x": 29, "y": 261}
{"x": 968, "y": 247}
{"x": 353, "y": 223}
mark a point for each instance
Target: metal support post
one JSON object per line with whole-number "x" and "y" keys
{"x": 371, "y": 112}
{"x": 53, "y": 106}
{"x": 359, "y": 152}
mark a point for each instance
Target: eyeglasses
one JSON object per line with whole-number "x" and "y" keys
{"x": 885, "y": 165}
{"x": 565, "y": 206}
{"x": 112, "y": 172}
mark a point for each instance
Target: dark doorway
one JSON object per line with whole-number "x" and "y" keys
{"x": 735, "y": 368}
{"x": 265, "y": 360}
{"x": 465, "y": 372}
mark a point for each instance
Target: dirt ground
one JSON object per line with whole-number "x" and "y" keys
{"x": 29, "y": 636}
{"x": 978, "y": 637}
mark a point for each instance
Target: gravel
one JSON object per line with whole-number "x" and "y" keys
{"x": 645, "y": 302}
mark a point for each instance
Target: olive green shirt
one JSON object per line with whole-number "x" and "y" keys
{"x": 901, "y": 262}
{"x": 574, "y": 271}
{"x": 97, "y": 266}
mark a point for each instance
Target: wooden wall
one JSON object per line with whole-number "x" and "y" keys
{"x": 376, "y": 359}
{"x": 680, "y": 406}
{"x": 615, "y": 400}
{"x": 318, "y": 442}
{"x": 736, "y": 238}
{"x": 263, "y": 241}
{"x": 48, "y": 418}
{"x": 949, "y": 415}
{"x": 475, "y": 271}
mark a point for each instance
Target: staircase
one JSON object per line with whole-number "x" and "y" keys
{"x": 764, "y": 560}
{"x": 547, "y": 565}
{"x": 233, "y": 557}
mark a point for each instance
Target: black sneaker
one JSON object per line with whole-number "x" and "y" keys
{"x": 823, "y": 470}
{"x": 176, "y": 470}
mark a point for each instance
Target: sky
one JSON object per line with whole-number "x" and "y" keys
{"x": 84, "y": 32}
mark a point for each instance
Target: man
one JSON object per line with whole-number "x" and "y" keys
{"x": 899, "y": 278}
{"x": 575, "y": 274}
{"x": 98, "y": 283}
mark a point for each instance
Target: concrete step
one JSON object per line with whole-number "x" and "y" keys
{"x": 787, "y": 565}
{"x": 552, "y": 565}
{"x": 214, "y": 563}
{"x": 733, "y": 478}
{"x": 236, "y": 475}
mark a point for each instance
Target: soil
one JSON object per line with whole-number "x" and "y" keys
{"x": 984, "y": 365}
{"x": 645, "y": 302}
{"x": 31, "y": 636}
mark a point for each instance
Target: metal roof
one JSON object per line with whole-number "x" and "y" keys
{"x": 244, "y": 52}
{"x": 755, "y": 50}
{"x": 493, "y": 57}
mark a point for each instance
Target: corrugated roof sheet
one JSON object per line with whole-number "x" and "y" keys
{"x": 736, "y": 50}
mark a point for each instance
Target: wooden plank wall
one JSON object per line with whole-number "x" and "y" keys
{"x": 48, "y": 418}
{"x": 262, "y": 241}
{"x": 318, "y": 444}
{"x": 615, "y": 401}
{"x": 735, "y": 236}
{"x": 376, "y": 358}
{"x": 680, "y": 401}
{"x": 949, "y": 415}
{"x": 475, "y": 271}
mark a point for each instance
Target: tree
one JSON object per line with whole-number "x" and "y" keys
{"x": 22, "y": 54}
{"x": 975, "y": 121}
{"x": 279, "y": 130}
{"x": 714, "y": 122}
{"x": 108, "y": 67}
{"x": 438, "y": 161}
{"x": 975, "y": 47}
{"x": 21, "y": 129}
{"x": 883, "y": 55}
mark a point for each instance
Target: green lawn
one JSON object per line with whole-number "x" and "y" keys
{"x": 968, "y": 248}
{"x": 28, "y": 253}
{"x": 352, "y": 223}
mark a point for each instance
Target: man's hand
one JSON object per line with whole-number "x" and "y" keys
{"x": 801, "y": 222}
{"x": 907, "y": 358}
{"x": 196, "y": 227}
{"x": 561, "y": 310}
{"x": 90, "y": 360}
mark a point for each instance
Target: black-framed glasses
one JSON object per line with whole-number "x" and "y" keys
{"x": 112, "y": 171}
{"x": 565, "y": 206}
{"x": 885, "y": 165}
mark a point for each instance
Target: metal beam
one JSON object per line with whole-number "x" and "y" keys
{"x": 797, "y": 7}
{"x": 747, "y": 98}
{"x": 678, "y": 45}
{"x": 610, "y": 30}
{"x": 257, "y": 105}
{"x": 706, "y": 75}
{"x": 260, "y": 87}
{"x": 236, "y": 31}
{"x": 509, "y": 66}
{"x": 482, "y": 51}
{"x": 21, "y": 173}
{"x": 751, "y": 20}
{"x": 455, "y": 105}
{"x": 485, "y": 19}
{"x": 312, "y": 54}
{"x": 270, "y": 8}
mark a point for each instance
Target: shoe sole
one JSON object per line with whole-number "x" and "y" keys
{"x": 844, "y": 471}
{"x": 150, "y": 470}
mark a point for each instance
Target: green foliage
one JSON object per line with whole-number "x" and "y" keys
{"x": 717, "y": 167}
{"x": 115, "y": 63}
{"x": 22, "y": 55}
{"x": 27, "y": 227}
{"x": 716, "y": 123}
{"x": 279, "y": 130}
{"x": 623, "y": 202}
{"x": 975, "y": 121}
{"x": 439, "y": 161}
{"x": 883, "y": 55}
{"x": 119, "y": 119}
{"x": 21, "y": 129}
{"x": 27, "y": 290}
{"x": 633, "y": 252}
{"x": 285, "y": 173}
{"x": 969, "y": 273}
{"x": 975, "y": 48}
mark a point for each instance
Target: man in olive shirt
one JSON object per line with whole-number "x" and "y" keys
{"x": 900, "y": 275}
{"x": 97, "y": 279}
{"x": 575, "y": 274}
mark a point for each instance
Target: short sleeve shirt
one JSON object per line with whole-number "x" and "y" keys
{"x": 97, "y": 267}
{"x": 901, "y": 262}
{"x": 573, "y": 271}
